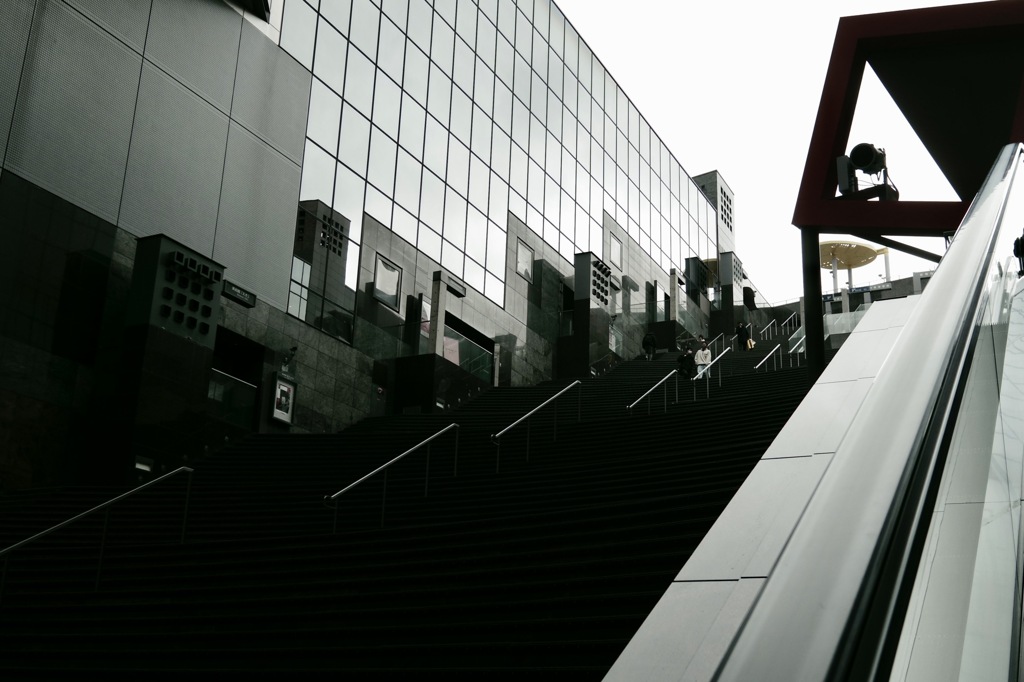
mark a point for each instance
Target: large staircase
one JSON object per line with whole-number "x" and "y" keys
{"x": 541, "y": 558}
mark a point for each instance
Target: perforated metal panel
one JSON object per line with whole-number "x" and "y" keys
{"x": 14, "y": 30}
{"x": 126, "y": 20}
{"x": 271, "y": 94}
{"x": 257, "y": 216}
{"x": 73, "y": 118}
{"x": 196, "y": 41}
{"x": 176, "y": 162}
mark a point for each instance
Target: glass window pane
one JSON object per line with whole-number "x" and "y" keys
{"x": 359, "y": 83}
{"x": 500, "y": 152}
{"x": 524, "y": 260}
{"x": 519, "y": 170}
{"x": 404, "y": 225}
{"x": 429, "y": 242}
{"x": 387, "y": 282}
{"x": 317, "y": 175}
{"x": 462, "y": 115}
{"x": 379, "y": 206}
{"x": 463, "y": 67}
{"x": 498, "y": 200}
{"x": 421, "y": 15}
{"x": 476, "y": 235}
{"x": 324, "y": 116}
{"x": 298, "y": 32}
{"x": 391, "y": 54}
{"x": 485, "y": 39}
{"x": 387, "y": 106}
{"x": 505, "y": 61}
{"x": 417, "y": 69}
{"x": 455, "y": 219}
{"x": 474, "y": 274}
{"x": 396, "y": 10}
{"x": 483, "y": 92}
{"x": 458, "y": 166}
{"x": 439, "y": 99}
{"x": 382, "y": 162}
{"x": 435, "y": 147}
{"x": 337, "y": 12}
{"x": 507, "y": 19}
{"x": 478, "y": 181}
{"x": 354, "y": 144}
{"x": 349, "y": 190}
{"x": 411, "y": 132}
{"x": 432, "y": 202}
{"x": 442, "y": 46}
{"x": 407, "y": 182}
{"x": 523, "y": 80}
{"x": 481, "y": 135}
{"x": 452, "y": 258}
{"x": 540, "y": 55}
{"x": 465, "y": 23}
{"x": 329, "y": 63}
{"x": 503, "y": 106}
{"x": 446, "y": 9}
{"x": 524, "y": 35}
{"x": 365, "y": 26}
{"x": 495, "y": 248}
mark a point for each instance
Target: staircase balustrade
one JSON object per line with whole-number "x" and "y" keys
{"x": 771, "y": 355}
{"x": 332, "y": 500}
{"x": 662, "y": 381}
{"x": 5, "y": 554}
{"x": 496, "y": 437}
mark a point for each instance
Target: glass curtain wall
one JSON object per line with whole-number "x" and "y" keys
{"x": 438, "y": 119}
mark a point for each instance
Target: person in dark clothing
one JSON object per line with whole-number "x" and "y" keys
{"x": 687, "y": 365}
{"x": 650, "y": 343}
{"x": 742, "y": 336}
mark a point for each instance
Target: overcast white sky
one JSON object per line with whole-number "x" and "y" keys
{"x": 733, "y": 86}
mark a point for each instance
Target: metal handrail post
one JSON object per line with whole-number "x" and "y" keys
{"x": 103, "y": 546}
{"x": 579, "y": 403}
{"x": 184, "y": 517}
{"x": 455, "y": 469}
{"x": 383, "y": 498}
{"x": 426, "y": 474}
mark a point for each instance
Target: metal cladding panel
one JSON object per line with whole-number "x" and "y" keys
{"x": 271, "y": 94}
{"x": 15, "y": 22}
{"x": 73, "y": 119}
{"x": 126, "y": 20}
{"x": 196, "y": 41}
{"x": 256, "y": 225}
{"x": 176, "y": 164}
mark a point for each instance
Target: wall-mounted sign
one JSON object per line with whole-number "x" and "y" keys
{"x": 239, "y": 295}
{"x": 284, "y": 400}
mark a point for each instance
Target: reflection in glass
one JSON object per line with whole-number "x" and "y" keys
{"x": 382, "y": 162}
{"x": 329, "y": 64}
{"x": 353, "y": 147}
{"x": 387, "y": 280}
{"x": 365, "y": 25}
{"x": 452, "y": 258}
{"x": 317, "y": 174}
{"x": 387, "y": 106}
{"x": 324, "y": 116}
{"x": 391, "y": 51}
{"x": 412, "y": 124}
{"x": 417, "y": 70}
{"x": 359, "y": 83}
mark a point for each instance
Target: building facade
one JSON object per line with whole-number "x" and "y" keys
{"x": 371, "y": 207}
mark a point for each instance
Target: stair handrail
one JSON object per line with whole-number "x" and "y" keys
{"x": 329, "y": 499}
{"x": 6, "y": 553}
{"x": 711, "y": 344}
{"x": 706, "y": 375}
{"x": 786, "y": 321}
{"x": 766, "y": 328}
{"x": 496, "y": 437}
{"x": 771, "y": 354}
{"x": 629, "y": 408}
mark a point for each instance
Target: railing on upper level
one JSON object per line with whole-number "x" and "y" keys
{"x": 5, "y": 554}
{"x": 332, "y": 500}
{"x": 496, "y": 438}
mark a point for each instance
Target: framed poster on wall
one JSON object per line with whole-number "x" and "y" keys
{"x": 284, "y": 400}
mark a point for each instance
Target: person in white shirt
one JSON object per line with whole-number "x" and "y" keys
{"x": 703, "y": 358}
